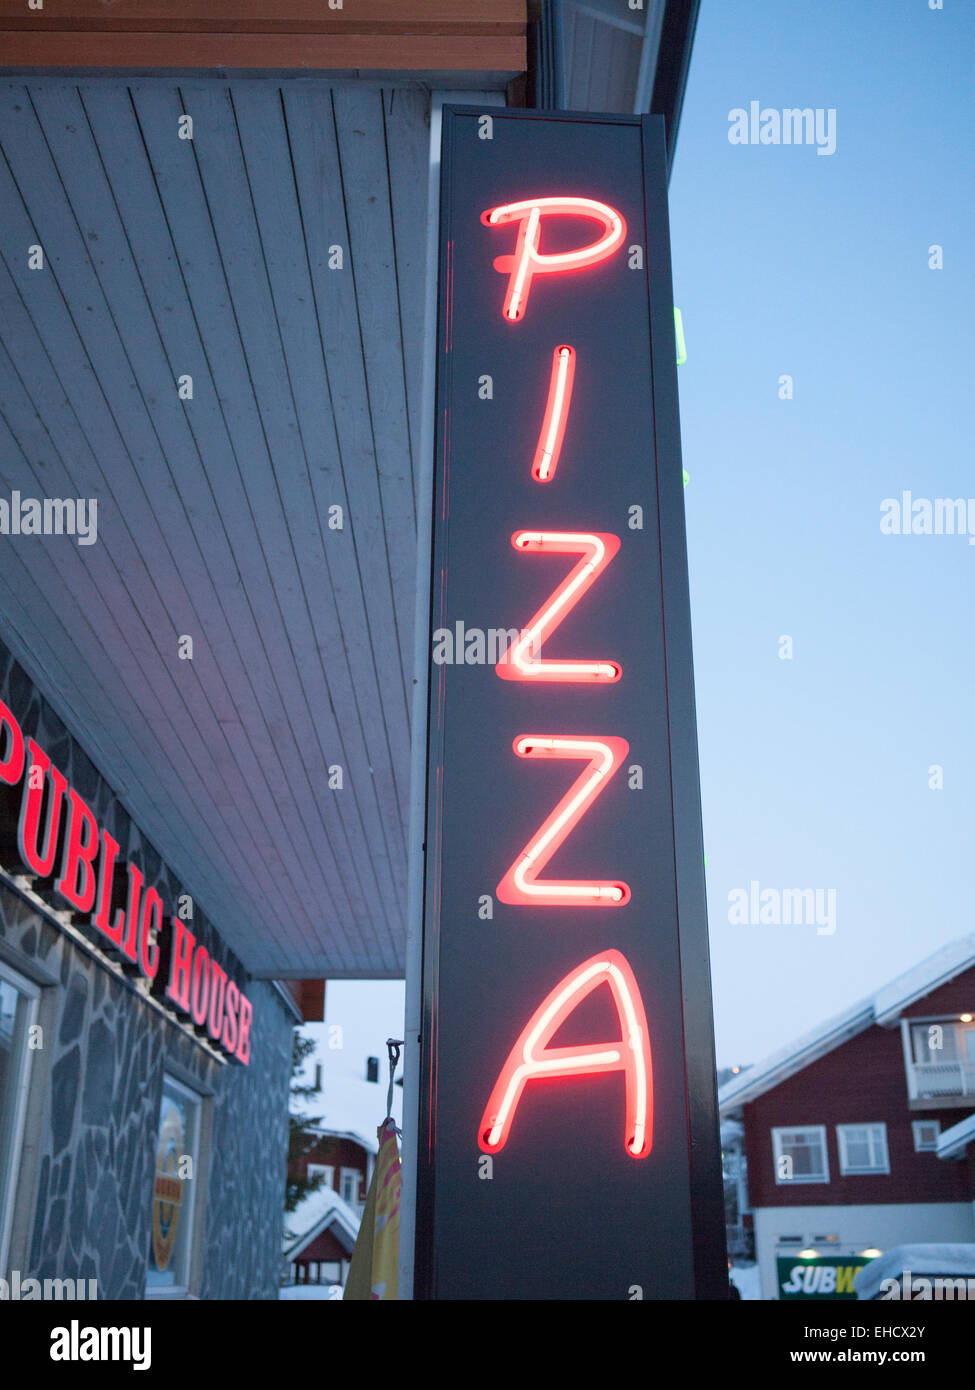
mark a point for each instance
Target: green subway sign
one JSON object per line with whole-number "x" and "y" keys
{"x": 831, "y": 1277}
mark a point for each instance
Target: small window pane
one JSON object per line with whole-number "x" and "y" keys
{"x": 350, "y": 1186}
{"x": 863, "y": 1148}
{"x": 926, "y": 1135}
{"x": 804, "y": 1152}
{"x": 934, "y": 1042}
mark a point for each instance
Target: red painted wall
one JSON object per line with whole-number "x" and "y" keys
{"x": 323, "y": 1247}
{"x": 340, "y": 1153}
{"x": 956, "y": 997}
{"x": 860, "y": 1082}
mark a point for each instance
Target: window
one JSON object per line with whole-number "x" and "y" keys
{"x": 943, "y": 1040}
{"x": 800, "y": 1154}
{"x": 934, "y": 1042}
{"x": 925, "y": 1135}
{"x": 350, "y": 1180}
{"x": 327, "y": 1168}
{"x": 174, "y": 1189}
{"x": 863, "y": 1149}
{"x": 18, "y": 1009}
{"x": 372, "y": 1068}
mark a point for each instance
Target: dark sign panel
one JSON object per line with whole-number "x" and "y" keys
{"x": 568, "y": 1139}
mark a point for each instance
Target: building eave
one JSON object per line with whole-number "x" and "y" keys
{"x": 779, "y": 1066}
{"x": 884, "y": 1008}
{"x": 954, "y": 1141}
{"x": 891, "y": 1001}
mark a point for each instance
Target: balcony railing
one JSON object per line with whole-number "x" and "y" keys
{"x": 941, "y": 1080}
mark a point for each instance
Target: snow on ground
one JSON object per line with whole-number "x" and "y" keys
{"x": 747, "y": 1280}
{"x": 299, "y": 1293}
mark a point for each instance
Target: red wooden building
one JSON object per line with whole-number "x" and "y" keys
{"x": 858, "y": 1137}
{"x": 322, "y": 1230}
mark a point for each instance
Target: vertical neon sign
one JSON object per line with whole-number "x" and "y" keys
{"x": 520, "y": 884}
{"x": 565, "y": 957}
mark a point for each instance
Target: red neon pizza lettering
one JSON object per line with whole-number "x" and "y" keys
{"x": 552, "y": 433}
{"x": 528, "y": 261}
{"x": 531, "y": 1059}
{"x": 520, "y": 884}
{"x": 521, "y": 661}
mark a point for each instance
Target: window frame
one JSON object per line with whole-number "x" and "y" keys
{"x": 920, "y": 1148}
{"x": 777, "y": 1152}
{"x": 344, "y": 1172}
{"x": 197, "y": 1198}
{"x": 21, "y": 1068}
{"x": 841, "y": 1142}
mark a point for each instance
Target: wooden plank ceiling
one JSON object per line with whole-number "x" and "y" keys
{"x": 611, "y": 54}
{"x": 216, "y": 258}
{"x": 419, "y": 35}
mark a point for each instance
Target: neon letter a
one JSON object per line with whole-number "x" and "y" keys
{"x": 531, "y": 1059}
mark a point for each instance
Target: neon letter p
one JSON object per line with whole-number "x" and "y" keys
{"x": 529, "y": 261}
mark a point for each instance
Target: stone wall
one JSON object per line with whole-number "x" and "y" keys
{"x": 102, "y": 1066}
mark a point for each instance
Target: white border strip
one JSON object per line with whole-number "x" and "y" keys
{"x": 421, "y": 666}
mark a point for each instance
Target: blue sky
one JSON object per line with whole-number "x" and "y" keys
{"x": 815, "y": 770}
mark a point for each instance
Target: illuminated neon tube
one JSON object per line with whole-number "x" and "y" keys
{"x": 521, "y": 661}
{"x": 552, "y": 433}
{"x": 528, "y": 261}
{"x": 531, "y": 1059}
{"x": 520, "y": 884}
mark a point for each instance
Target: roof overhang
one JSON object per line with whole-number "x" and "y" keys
{"x": 435, "y": 36}
{"x": 883, "y": 1008}
{"x": 891, "y": 1001}
{"x": 794, "y": 1058}
{"x": 616, "y": 58}
{"x": 209, "y": 256}
{"x": 953, "y": 1142}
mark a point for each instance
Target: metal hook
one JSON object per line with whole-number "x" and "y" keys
{"x": 393, "y": 1046}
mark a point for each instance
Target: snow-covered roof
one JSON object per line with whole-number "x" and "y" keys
{"x": 955, "y": 1141}
{"x": 323, "y": 1132}
{"x": 891, "y": 1001}
{"x": 883, "y": 1007}
{"x": 795, "y": 1055}
{"x": 923, "y": 1262}
{"x": 319, "y": 1211}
